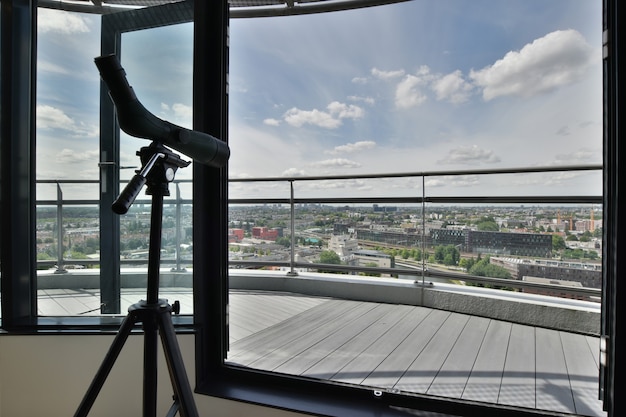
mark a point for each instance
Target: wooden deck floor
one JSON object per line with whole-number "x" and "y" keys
{"x": 393, "y": 347}
{"x": 416, "y": 349}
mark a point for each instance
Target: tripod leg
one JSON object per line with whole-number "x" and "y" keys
{"x": 176, "y": 366}
{"x": 150, "y": 341}
{"x": 105, "y": 367}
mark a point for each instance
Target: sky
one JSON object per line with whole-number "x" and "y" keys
{"x": 419, "y": 86}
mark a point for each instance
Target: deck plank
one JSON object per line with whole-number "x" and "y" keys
{"x": 518, "y": 378}
{"x": 329, "y": 366}
{"x": 370, "y": 362}
{"x": 594, "y": 347}
{"x": 326, "y": 345}
{"x": 452, "y": 378}
{"x": 423, "y": 370}
{"x": 395, "y": 365}
{"x": 552, "y": 382}
{"x": 583, "y": 374}
{"x": 252, "y": 349}
{"x": 485, "y": 378}
{"x": 291, "y": 346}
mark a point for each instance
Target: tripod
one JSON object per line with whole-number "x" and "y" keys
{"x": 159, "y": 165}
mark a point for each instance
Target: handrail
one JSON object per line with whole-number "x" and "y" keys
{"x": 292, "y": 201}
{"x": 512, "y": 170}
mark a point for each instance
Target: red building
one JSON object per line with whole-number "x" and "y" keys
{"x": 264, "y": 233}
{"x": 235, "y": 235}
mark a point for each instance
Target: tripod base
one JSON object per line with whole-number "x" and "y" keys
{"x": 156, "y": 319}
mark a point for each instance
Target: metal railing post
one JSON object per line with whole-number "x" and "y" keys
{"x": 178, "y": 267}
{"x": 292, "y": 272}
{"x": 423, "y": 240}
{"x": 60, "y": 268}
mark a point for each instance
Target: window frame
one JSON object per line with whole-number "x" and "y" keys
{"x": 216, "y": 378}
{"x": 213, "y": 376}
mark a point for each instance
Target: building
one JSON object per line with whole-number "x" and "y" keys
{"x": 499, "y": 243}
{"x": 343, "y": 245}
{"x": 264, "y": 233}
{"x": 586, "y": 274}
{"x": 372, "y": 258}
{"x": 235, "y": 235}
{"x": 398, "y": 237}
{"x": 554, "y": 292}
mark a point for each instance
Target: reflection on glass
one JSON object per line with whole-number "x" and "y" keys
{"x": 68, "y": 169}
{"x": 372, "y": 281}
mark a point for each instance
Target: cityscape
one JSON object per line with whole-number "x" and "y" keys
{"x": 546, "y": 244}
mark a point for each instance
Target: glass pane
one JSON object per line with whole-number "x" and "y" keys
{"x": 68, "y": 91}
{"x": 158, "y": 65}
{"x": 406, "y": 282}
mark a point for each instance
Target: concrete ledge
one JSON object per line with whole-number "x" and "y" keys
{"x": 130, "y": 278}
{"x": 530, "y": 309}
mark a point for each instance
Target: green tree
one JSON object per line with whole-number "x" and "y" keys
{"x": 451, "y": 255}
{"x": 488, "y": 225}
{"x": 439, "y": 254}
{"x": 329, "y": 257}
{"x": 484, "y": 268}
{"x": 467, "y": 263}
{"x": 558, "y": 243}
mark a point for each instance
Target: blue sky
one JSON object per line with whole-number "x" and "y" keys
{"x": 417, "y": 86}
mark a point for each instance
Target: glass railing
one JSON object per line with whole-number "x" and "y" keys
{"x": 423, "y": 226}
{"x": 423, "y": 219}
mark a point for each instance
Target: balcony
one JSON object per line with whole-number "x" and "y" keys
{"x": 529, "y": 351}
{"x": 428, "y": 332}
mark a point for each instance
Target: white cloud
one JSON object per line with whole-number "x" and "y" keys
{"x": 56, "y": 21}
{"x": 359, "y": 80}
{"x": 182, "y": 112}
{"x": 470, "y": 155}
{"x": 387, "y": 75}
{"x": 366, "y": 100}
{"x": 71, "y": 156}
{"x": 452, "y": 180}
{"x": 293, "y": 172}
{"x": 52, "y": 118}
{"x": 49, "y": 117}
{"x": 351, "y": 185}
{"x": 271, "y": 122}
{"x": 559, "y": 58}
{"x": 330, "y": 119}
{"x": 296, "y": 117}
{"x": 177, "y": 113}
{"x": 408, "y": 93}
{"x": 353, "y": 147}
{"x": 47, "y": 66}
{"x": 336, "y": 163}
{"x": 345, "y": 111}
{"x": 580, "y": 156}
{"x": 452, "y": 87}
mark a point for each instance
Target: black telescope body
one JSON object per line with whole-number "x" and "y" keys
{"x": 137, "y": 121}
